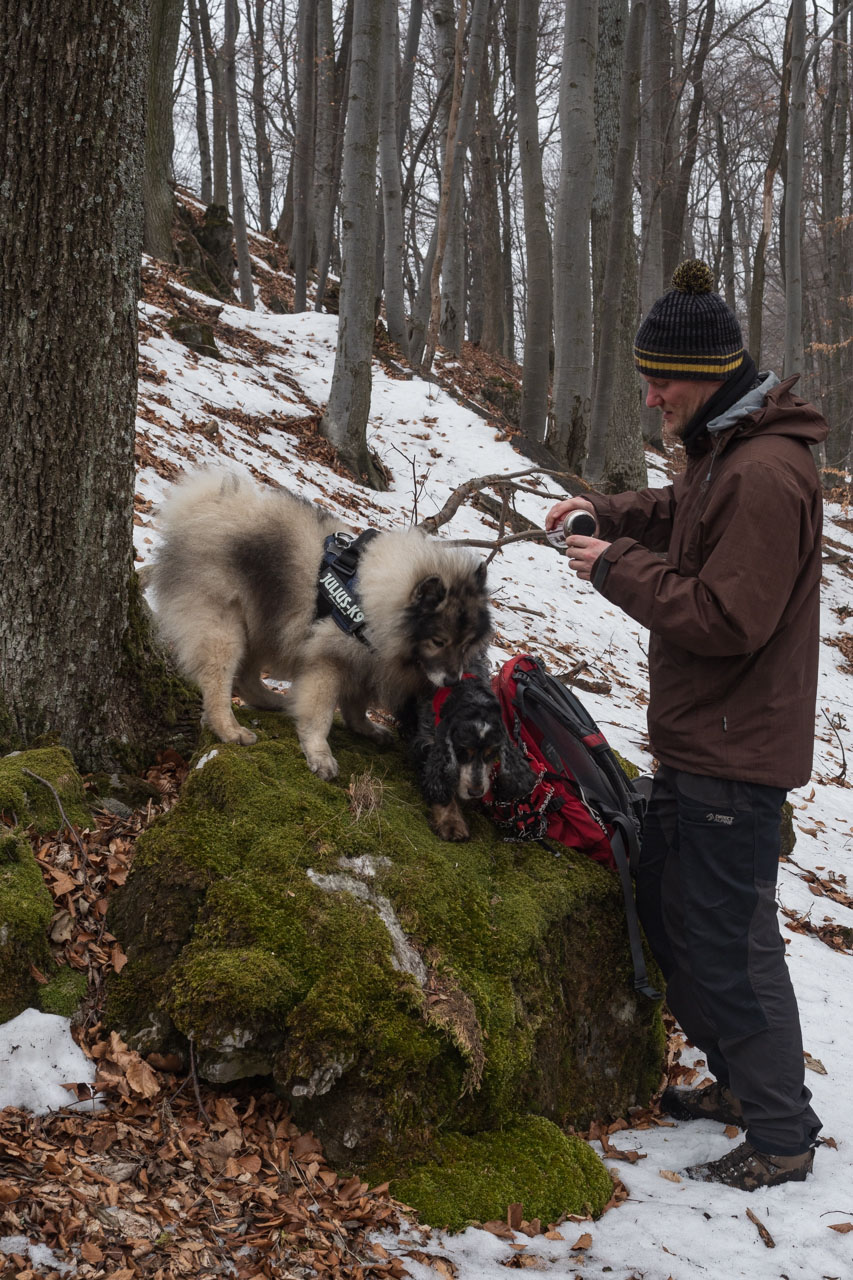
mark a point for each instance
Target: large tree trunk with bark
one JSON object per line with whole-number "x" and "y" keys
{"x": 572, "y": 292}
{"x": 158, "y": 200}
{"x": 345, "y": 420}
{"x": 70, "y": 242}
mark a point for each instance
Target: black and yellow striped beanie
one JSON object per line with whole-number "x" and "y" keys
{"x": 690, "y": 332}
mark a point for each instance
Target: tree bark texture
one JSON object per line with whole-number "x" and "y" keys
{"x": 216, "y": 72}
{"x": 72, "y": 120}
{"x": 345, "y": 420}
{"x": 158, "y": 200}
{"x": 537, "y": 333}
{"x": 651, "y": 163}
{"x": 263, "y": 151}
{"x": 615, "y": 440}
{"x": 484, "y": 224}
{"x": 793, "y": 362}
{"x": 572, "y": 292}
{"x": 303, "y": 153}
{"x": 238, "y": 198}
{"x": 459, "y": 130}
{"x": 392, "y": 186}
{"x": 202, "y": 131}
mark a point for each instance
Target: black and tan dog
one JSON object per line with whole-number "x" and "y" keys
{"x": 235, "y": 585}
{"x": 461, "y": 750}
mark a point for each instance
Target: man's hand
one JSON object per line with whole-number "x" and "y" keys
{"x": 562, "y": 509}
{"x": 583, "y": 553}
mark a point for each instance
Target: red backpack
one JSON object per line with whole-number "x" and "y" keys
{"x": 583, "y": 798}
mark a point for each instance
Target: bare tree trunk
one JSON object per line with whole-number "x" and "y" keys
{"x": 756, "y": 304}
{"x": 345, "y": 420}
{"x": 216, "y": 72}
{"x": 407, "y": 70}
{"x": 673, "y": 231}
{"x": 303, "y": 153}
{"x": 793, "y": 362}
{"x": 263, "y": 150}
{"x": 727, "y": 247}
{"x": 654, "y": 93}
{"x": 485, "y": 307}
{"x": 340, "y": 97}
{"x": 537, "y": 242}
{"x": 572, "y": 292}
{"x": 238, "y": 200}
{"x": 158, "y": 200}
{"x": 626, "y": 458}
{"x": 460, "y": 126}
{"x": 836, "y": 398}
{"x": 326, "y": 113}
{"x": 71, "y": 661}
{"x": 392, "y": 201}
{"x": 202, "y": 131}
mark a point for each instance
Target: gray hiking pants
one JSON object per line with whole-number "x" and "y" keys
{"x": 706, "y": 896}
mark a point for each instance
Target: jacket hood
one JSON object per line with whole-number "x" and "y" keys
{"x": 769, "y": 407}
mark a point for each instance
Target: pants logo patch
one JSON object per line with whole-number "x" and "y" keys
{"x": 721, "y": 819}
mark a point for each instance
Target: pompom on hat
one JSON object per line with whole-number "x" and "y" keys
{"x": 690, "y": 332}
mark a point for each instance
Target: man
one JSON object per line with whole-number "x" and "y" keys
{"x": 723, "y": 567}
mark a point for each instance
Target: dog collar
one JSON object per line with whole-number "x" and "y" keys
{"x": 337, "y": 596}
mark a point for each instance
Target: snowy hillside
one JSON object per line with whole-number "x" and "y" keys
{"x": 257, "y": 406}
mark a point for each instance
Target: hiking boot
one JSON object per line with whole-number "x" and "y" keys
{"x": 714, "y": 1102}
{"x": 751, "y": 1170}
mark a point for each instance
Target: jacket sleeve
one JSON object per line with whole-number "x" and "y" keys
{"x": 757, "y": 532}
{"x": 645, "y": 515}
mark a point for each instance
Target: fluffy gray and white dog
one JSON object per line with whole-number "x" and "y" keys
{"x": 235, "y": 587}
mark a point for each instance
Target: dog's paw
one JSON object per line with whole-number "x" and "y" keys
{"x": 323, "y": 764}
{"x": 243, "y": 737}
{"x": 448, "y": 823}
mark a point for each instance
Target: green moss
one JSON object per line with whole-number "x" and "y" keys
{"x": 63, "y": 993}
{"x": 257, "y": 916}
{"x": 26, "y": 909}
{"x": 28, "y": 801}
{"x": 531, "y": 1163}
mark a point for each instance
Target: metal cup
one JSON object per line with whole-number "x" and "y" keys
{"x": 582, "y": 523}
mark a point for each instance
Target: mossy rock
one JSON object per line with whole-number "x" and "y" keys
{"x": 390, "y": 984}
{"x": 475, "y": 1178}
{"x": 64, "y": 992}
{"x": 27, "y": 801}
{"x": 26, "y": 907}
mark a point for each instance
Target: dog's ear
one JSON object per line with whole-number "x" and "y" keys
{"x": 480, "y": 576}
{"x": 429, "y": 592}
{"x": 514, "y": 779}
{"x": 439, "y": 770}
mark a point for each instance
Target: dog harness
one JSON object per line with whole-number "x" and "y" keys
{"x": 337, "y": 595}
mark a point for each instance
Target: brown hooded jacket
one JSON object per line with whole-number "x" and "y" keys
{"x": 723, "y": 567}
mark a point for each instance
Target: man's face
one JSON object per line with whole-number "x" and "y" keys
{"x": 678, "y": 399}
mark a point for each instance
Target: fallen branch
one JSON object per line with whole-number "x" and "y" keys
{"x": 467, "y": 490}
{"x": 762, "y": 1230}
